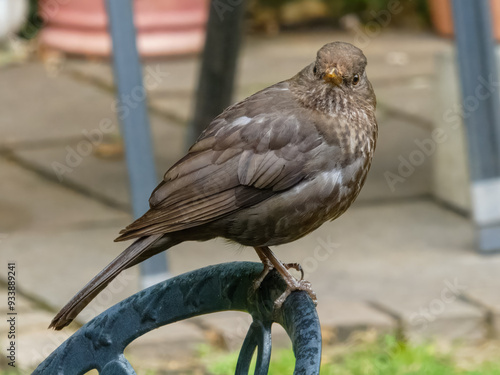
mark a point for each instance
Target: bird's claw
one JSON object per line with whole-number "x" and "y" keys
{"x": 268, "y": 267}
{"x": 270, "y": 262}
{"x": 303, "y": 285}
{"x": 297, "y": 267}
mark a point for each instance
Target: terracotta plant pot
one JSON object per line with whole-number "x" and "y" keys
{"x": 442, "y": 17}
{"x": 164, "y": 27}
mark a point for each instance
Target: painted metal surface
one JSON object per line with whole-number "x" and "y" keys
{"x": 219, "y": 61}
{"x": 481, "y": 112}
{"x": 229, "y": 286}
{"x": 134, "y": 122}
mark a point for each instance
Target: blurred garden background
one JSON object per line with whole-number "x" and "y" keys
{"x": 402, "y": 287}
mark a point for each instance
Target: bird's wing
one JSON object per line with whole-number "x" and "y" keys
{"x": 250, "y": 152}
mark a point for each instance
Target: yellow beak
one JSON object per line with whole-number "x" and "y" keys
{"x": 333, "y": 76}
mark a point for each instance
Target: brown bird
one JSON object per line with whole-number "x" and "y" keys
{"x": 267, "y": 171}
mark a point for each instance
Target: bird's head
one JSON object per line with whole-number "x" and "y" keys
{"x": 337, "y": 76}
{"x": 337, "y": 79}
{"x": 340, "y": 64}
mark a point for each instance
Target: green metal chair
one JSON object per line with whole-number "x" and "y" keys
{"x": 100, "y": 343}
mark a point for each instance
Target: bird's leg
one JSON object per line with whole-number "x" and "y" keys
{"x": 295, "y": 266}
{"x": 270, "y": 261}
{"x": 268, "y": 266}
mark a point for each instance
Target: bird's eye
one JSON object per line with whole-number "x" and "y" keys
{"x": 315, "y": 70}
{"x": 355, "y": 79}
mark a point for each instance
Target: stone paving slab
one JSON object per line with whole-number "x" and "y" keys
{"x": 408, "y": 251}
{"x": 36, "y": 346}
{"x": 486, "y": 298}
{"x": 340, "y": 318}
{"x": 106, "y": 176}
{"x": 395, "y": 254}
{"x": 395, "y": 145}
{"x": 401, "y": 254}
{"x": 413, "y": 98}
{"x": 171, "y": 88}
{"x": 392, "y": 57}
{"x": 22, "y": 304}
{"x": 166, "y": 347}
{"x": 29, "y": 202}
{"x": 44, "y": 108}
{"x": 175, "y": 106}
{"x": 372, "y": 242}
{"x": 53, "y": 265}
{"x": 178, "y": 74}
{"x": 34, "y": 340}
{"x": 443, "y": 315}
{"x": 227, "y": 329}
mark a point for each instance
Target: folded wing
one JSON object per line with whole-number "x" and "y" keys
{"x": 245, "y": 156}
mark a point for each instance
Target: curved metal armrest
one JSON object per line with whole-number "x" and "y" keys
{"x": 100, "y": 343}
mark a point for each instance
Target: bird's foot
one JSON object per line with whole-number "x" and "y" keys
{"x": 303, "y": 285}
{"x": 268, "y": 267}
{"x": 297, "y": 267}
{"x": 270, "y": 261}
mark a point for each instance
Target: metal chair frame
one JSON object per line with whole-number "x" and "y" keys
{"x": 100, "y": 343}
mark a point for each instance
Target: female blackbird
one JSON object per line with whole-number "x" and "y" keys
{"x": 267, "y": 171}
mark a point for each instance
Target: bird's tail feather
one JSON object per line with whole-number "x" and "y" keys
{"x": 134, "y": 254}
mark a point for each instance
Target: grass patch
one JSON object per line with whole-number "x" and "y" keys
{"x": 377, "y": 356}
{"x": 388, "y": 356}
{"x": 223, "y": 363}
{"x": 10, "y": 372}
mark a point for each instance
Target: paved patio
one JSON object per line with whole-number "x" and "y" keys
{"x": 398, "y": 260}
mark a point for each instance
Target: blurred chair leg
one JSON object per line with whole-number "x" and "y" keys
{"x": 477, "y": 63}
{"x": 135, "y": 124}
{"x": 218, "y": 67}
